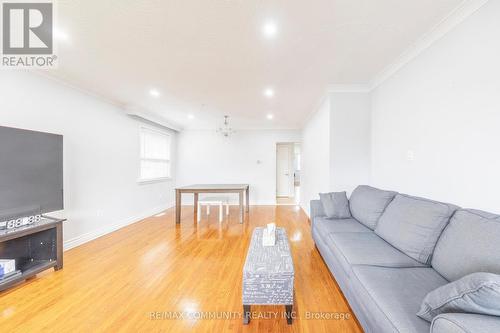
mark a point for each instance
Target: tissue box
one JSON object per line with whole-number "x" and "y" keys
{"x": 268, "y": 237}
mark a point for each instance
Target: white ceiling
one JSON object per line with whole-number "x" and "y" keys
{"x": 213, "y": 53}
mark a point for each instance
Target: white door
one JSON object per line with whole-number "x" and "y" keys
{"x": 284, "y": 170}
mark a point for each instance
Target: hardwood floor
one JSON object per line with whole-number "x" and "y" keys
{"x": 133, "y": 279}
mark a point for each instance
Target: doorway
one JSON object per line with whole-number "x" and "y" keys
{"x": 288, "y": 173}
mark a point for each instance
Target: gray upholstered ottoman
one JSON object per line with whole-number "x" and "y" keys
{"x": 268, "y": 274}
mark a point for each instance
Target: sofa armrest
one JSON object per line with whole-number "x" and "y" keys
{"x": 465, "y": 322}
{"x": 316, "y": 209}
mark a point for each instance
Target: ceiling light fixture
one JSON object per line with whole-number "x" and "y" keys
{"x": 225, "y": 130}
{"x": 154, "y": 93}
{"x": 269, "y": 29}
{"x": 270, "y": 116}
{"x": 269, "y": 92}
{"x": 190, "y": 116}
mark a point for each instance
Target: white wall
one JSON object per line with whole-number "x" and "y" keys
{"x": 315, "y": 173}
{"x": 445, "y": 107}
{"x": 208, "y": 157}
{"x": 101, "y": 147}
{"x": 350, "y": 135}
{"x": 336, "y": 146}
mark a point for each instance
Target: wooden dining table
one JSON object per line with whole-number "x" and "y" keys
{"x": 196, "y": 189}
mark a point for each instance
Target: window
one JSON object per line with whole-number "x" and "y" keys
{"x": 155, "y": 155}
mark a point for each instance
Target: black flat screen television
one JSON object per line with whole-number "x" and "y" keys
{"x": 31, "y": 173}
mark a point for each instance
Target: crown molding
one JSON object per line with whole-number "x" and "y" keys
{"x": 151, "y": 118}
{"x": 457, "y": 16}
{"x": 134, "y": 112}
{"x": 348, "y": 88}
{"x": 46, "y": 75}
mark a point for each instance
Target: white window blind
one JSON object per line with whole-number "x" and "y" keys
{"x": 155, "y": 155}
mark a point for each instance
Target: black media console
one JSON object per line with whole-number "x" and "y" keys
{"x": 34, "y": 247}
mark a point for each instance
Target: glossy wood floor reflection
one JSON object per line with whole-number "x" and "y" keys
{"x": 115, "y": 283}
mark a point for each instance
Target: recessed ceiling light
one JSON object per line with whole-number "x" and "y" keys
{"x": 190, "y": 116}
{"x": 154, "y": 93}
{"x": 270, "y": 116}
{"x": 269, "y": 29}
{"x": 269, "y": 92}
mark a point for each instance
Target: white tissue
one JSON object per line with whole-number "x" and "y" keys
{"x": 269, "y": 235}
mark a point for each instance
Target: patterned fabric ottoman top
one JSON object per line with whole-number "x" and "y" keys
{"x": 268, "y": 272}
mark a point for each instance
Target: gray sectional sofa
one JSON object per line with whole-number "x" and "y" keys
{"x": 397, "y": 248}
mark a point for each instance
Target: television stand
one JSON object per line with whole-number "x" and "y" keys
{"x": 35, "y": 248}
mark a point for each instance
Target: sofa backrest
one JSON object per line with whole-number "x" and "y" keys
{"x": 368, "y": 203}
{"x": 470, "y": 243}
{"x": 413, "y": 225}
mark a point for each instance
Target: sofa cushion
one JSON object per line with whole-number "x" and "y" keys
{"x": 474, "y": 293}
{"x": 465, "y": 323}
{"x": 326, "y": 226}
{"x": 413, "y": 225}
{"x": 335, "y": 205}
{"x": 395, "y": 294}
{"x": 361, "y": 248}
{"x": 470, "y": 243}
{"x": 368, "y": 203}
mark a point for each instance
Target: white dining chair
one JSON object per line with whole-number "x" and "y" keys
{"x": 213, "y": 201}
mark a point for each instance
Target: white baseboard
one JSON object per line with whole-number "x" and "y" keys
{"x": 305, "y": 208}
{"x": 87, "y": 237}
{"x": 190, "y": 202}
